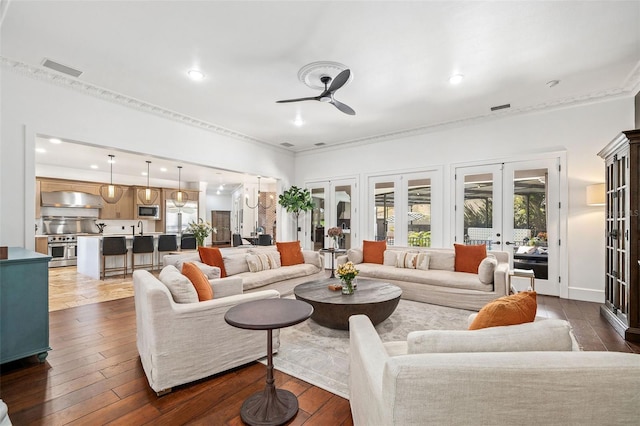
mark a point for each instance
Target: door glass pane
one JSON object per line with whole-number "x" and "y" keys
{"x": 419, "y": 212}
{"x": 384, "y": 199}
{"x": 478, "y": 209}
{"x": 317, "y": 218}
{"x": 530, "y": 221}
{"x": 342, "y": 198}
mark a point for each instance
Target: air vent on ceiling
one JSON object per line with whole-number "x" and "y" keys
{"x": 287, "y": 144}
{"x": 320, "y": 144}
{"x": 496, "y": 108}
{"x": 61, "y": 68}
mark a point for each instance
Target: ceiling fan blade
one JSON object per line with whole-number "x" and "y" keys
{"x": 313, "y": 98}
{"x": 339, "y": 80}
{"x": 343, "y": 107}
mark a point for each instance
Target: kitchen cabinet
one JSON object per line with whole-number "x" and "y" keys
{"x": 50, "y": 185}
{"x": 24, "y": 305}
{"x": 42, "y": 244}
{"x": 123, "y": 209}
{"x": 622, "y": 234}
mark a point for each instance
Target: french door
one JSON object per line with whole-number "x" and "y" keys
{"x": 335, "y": 205}
{"x": 513, "y": 207}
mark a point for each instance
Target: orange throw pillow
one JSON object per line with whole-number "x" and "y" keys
{"x": 468, "y": 258}
{"x": 290, "y": 253}
{"x": 507, "y": 310}
{"x": 212, "y": 257}
{"x": 373, "y": 251}
{"x": 199, "y": 281}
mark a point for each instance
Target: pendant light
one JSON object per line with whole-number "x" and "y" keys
{"x": 179, "y": 197}
{"x": 148, "y": 195}
{"x": 111, "y": 193}
{"x": 258, "y": 203}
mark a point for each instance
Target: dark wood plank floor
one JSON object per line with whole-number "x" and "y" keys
{"x": 93, "y": 375}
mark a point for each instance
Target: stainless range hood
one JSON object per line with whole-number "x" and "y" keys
{"x": 70, "y": 199}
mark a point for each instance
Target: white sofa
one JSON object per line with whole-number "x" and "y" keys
{"x": 179, "y": 343}
{"x": 440, "y": 284}
{"x": 282, "y": 279}
{"x": 429, "y": 381}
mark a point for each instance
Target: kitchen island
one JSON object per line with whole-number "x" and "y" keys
{"x": 90, "y": 254}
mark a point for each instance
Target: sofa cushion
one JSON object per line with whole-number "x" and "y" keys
{"x": 390, "y": 257}
{"x": 547, "y": 335}
{"x": 406, "y": 259}
{"x": 468, "y": 257}
{"x": 199, "y": 281}
{"x": 212, "y": 272}
{"x": 263, "y": 261}
{"x": 290, "y": 253}
{"x": 508, "y": 310}
{"x": 373, "y": 251}
{"x": 179, "y": 286}
{"x": 213, "y": 257}
{"x": 235, "y": 263}
{"x": 442, "y": 260}
{"x": 487, "y": 268}
{"x": 259, "y": 279}
{"x": 355, "y": 255}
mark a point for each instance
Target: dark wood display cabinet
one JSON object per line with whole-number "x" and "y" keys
{"x": 622, "y": 292}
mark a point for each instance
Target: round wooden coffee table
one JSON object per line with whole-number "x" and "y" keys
{"x": 375, "y": 299}
{"x": 270, "y": 406}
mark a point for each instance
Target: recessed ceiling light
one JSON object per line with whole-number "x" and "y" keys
{"x": 111, "y": 160}
{"x": 94, "y": 166}
{"x": 163, "y": 169}
{"x": 55, "y": 140}
{"x": 41, "y": 150}
{"x": 195, "y": 75}
{"x": 456, "y": 78}
{"x": 553, "y": 83}
{"x": 298, "y": 121}
{"x": 143, "y": 173}
{"x": 218, "y": 192}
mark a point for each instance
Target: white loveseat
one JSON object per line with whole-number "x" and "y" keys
{"x": 182, "y": 342}
{"x": 282, "y": 279}
{"x": 440, "y": 284}
{"x": 404, "y": 384}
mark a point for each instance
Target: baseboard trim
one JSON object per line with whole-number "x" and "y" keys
{"x": 586, "y": 294}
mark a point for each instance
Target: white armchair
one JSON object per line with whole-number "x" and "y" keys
{"x": 411, "y": 384}
{"x": 180, "y": 343}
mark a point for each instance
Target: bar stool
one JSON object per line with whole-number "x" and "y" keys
{"x": 237, "y": 240}
{"x": 166, "y": 243}
{"x": 264, "y": 240}
{"x": 187, "y": 242}
{"x": 142, "y": 244}
{"x": 114, "y": 246}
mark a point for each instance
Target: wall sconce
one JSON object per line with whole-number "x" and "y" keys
{"x": 596, "y": 194}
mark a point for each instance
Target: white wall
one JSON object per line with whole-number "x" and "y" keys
{"x": 580, "y": 131}
{"x": 31, "y": 106}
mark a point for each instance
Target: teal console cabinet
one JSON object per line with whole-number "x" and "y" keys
{"x": 24, "y": 305}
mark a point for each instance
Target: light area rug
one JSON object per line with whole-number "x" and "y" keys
{"x": 320, "y": 356}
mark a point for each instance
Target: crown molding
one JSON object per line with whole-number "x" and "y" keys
{"x": 630, "y": 87}
{"x": 58, "y": 79}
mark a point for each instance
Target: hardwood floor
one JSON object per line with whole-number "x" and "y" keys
{"x": 93, "y": 374}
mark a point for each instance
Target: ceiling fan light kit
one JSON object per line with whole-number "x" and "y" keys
{"x": 331, "y": 85}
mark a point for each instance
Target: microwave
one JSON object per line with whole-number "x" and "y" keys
{"x": 148, "y": 212}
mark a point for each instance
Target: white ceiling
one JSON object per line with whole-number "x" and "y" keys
{"x": 401, "y": 55}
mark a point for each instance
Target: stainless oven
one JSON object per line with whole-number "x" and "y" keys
{"x": 62, "y": 249}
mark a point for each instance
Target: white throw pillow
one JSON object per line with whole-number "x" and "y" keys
{"x": 179, "y": 286}
{"x": 212, "y": 272}
{"x": 445, "y": 261}
{"x": 486, "y": 269}
{"x": 547, "y": 335}
{"x": 390, "y": 257}
{"x": 406, "y": 259}
{"x": 261, "y": 262}
{"x": 235, "y": 263}
{"x": 355, "y": 255}
{"x": 422, "y": 262}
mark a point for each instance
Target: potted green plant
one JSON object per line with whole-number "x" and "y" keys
{"x": 296, "y": 200}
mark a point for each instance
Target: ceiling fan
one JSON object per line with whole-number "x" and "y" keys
{"x": 329, "y": 91}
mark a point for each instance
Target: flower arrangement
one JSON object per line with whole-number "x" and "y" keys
{"x": 539, "y": 240}
{"x": 200, "y": 230}
{"x": 347, "y": 273}
{"x": 335, "y": 233}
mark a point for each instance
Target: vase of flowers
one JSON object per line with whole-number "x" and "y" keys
{"x": 200, "y": 230}
{"x": 347, "y": 273}
{"x": 335, "y": 233}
